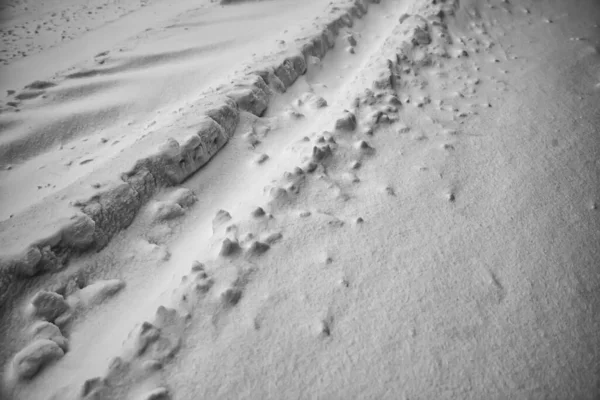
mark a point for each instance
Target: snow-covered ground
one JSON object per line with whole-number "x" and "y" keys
{"x": 415, "y": 217}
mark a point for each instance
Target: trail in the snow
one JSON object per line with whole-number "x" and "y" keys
{"x": 416, "y": 217}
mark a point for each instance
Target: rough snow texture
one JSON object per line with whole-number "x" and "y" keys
{"x": 113, "y": 209}
{"x": 409, "y": 228}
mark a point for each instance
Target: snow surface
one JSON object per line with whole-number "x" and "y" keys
{"x": 450, "y": 252}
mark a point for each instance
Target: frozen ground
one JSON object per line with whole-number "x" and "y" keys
{"x": 415, "y": 217}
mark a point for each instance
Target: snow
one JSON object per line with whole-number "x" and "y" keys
{"x": 444, "y": 247}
